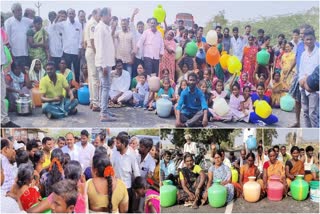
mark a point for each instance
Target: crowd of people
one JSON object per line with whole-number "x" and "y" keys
{"x": 77, "y": 175}
{"x": 193, "y": 182}
{"x": 116, "y": 62}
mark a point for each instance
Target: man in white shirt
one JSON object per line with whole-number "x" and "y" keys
{"x": 309, "y": 61}
{"x": 295, "y": 39}
{"x": 16, "y": 28}
{"x": 71, "y": 40}
{"x": 137, "y": 33}
{"x": 189, "y": 146}
{"x": 120, "y": 85}
{"x": 147, "y": 163}
{"x": 237, "y": 44}
{"x": 86, "y": 150}
{"x": 246, "y": 34}
{"x": 93, "y": 76}
{"x": 125, "y": 163}
{"x": 125, "y": 46}
{"x": 55, "y": 39}
{"x": 104, "y": 60}
{"x": 71, "y": 148}
{"x": 8, "y": 156}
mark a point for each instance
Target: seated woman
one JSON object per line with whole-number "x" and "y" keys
{"x": 25, "y": 193}
{"x": 36, "y": 72}
{"x": 278, "y": 90}
{"x": 192, "y": 179}
{"x": 67, "y": 73}
{"x": 84, "y": 74}
{"x": 254, "y": 118}
{"x": 294, "y": 166}
{"x": 152, "y": 197}
{"x": 17, "y": 84}
{"x": 247, "y": 170}
{"x": 219, "y": 171}
{"x": 274, "y": 167}
{"x": 105, "y": 192}
{"x": 135, "y": 80}
{"x": 315, "y": 171}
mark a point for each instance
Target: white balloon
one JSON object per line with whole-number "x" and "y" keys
{"x": 212, "y": 37}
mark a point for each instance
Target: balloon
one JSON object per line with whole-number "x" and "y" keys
{"x": 213, "y": 56}
{"x": 262, "y": 108}
{"x": 160, "y": 29}
{"x": 159, "y": 13}
{"x": 8, "y": 56}
{"x": 234, "y": 65}
{"x": 220, "y": 106}
{"x": 191, "y": 49}
{"x": 212, "y": 37}
{"x": 178, "y": 52}
{"x": 224, "y": 61}
{"x": 263, "y": 57}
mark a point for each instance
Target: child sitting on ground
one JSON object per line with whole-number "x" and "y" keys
{"x": 207, "y": 79}
{"x": 244, "y": 81}
{"x": 236, "y": 103}
{"x": 141, "y": 92}
{"x": 278, "y": 90}
{"x": 247, "y": 103}
{"x": 165, "y": 89}
{"x": 165, "y": 74}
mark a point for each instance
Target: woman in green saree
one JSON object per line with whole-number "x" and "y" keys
{"x": 38, "y": 41}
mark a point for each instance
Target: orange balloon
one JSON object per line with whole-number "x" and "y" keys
{"x": 213, "y": 56}
{"x": 224, "y": 61}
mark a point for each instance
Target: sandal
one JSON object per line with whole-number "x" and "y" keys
{"x": 150, "y": 109}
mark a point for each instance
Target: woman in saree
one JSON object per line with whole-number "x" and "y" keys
{"x": 152, "y": 197}
{"x": 247, "y": 170}
{"x": 287, "y": 60}
{"x": 249, "y": 58}
{"x": 294, "y": 166}
{"x": 168, "y": 59}
{"x": 278, "y": 90}
{"x": 273, "y": 167}
{"x": 36, "y": 72}
{"x": 69, "y": 75}
{"x": 38, "y": 41}
{"x": 192, "y": 179}
{"x": 219, "y": 171}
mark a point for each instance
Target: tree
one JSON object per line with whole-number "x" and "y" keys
{"x": 218, "y": 19}
{"x": 266, "y": 135}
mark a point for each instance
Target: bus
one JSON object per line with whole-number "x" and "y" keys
{"x": 187, "y": 18}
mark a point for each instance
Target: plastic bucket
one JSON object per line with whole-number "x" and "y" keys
{"x": 314, "y": 191}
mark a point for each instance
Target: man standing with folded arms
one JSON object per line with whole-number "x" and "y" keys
{"x": 104, "y": 61}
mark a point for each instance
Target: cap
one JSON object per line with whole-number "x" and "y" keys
{"x": 17, "y": 145}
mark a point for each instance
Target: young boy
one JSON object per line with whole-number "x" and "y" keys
{"x": 141, "y": 93}
{"x": 64, "y": 197}
{"x": 309, "y": 61}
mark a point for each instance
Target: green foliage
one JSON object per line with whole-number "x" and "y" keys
{"x": 152, "y": 132}
{"x": 275, "y": 25}
{"x": 63, "y": 133}
{"x": 266, "y": 135}
{"x": 218, "y": 19}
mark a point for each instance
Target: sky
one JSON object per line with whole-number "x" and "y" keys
{"x": 202, "y": 11}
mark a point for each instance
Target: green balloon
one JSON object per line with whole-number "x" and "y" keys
{"x": 263, "y": 57}
{"x": 191, "y": 49}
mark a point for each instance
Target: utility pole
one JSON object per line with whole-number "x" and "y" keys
{"x": 38, "y": 5}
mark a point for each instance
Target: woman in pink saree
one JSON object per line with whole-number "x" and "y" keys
{"x": 152, "y": 197}
{"x": 168, "y": 58}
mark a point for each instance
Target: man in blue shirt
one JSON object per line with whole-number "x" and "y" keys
{"x": 167, "y": 167}
{"x": 192, "y": 109}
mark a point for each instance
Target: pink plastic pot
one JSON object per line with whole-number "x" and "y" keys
{"x": 275, "y": 188}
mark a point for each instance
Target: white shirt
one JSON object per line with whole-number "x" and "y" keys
{"x": 191, "y": 148}
{"x": 295, "y": 45}
{"x": 85, "y": 155}
{"x": 147, "y": 165}
{"x": 126, "y": 166}
{"x": 136, "y": 36}
{"x": 9, "y": 205}
{"x": 103, "y": 41}
{"x": 119, "y": 84}
{"x": 227, "y": 162}
{"x": 17, "y": 34}
{"x": 71, "y": 36}
{"x": 55, "y": 41}
{"x": 309, "y": 61}
{"x": 74, "y": 154}
{"x": 89, "y": 31}
{"x": 237, "y": 46}
{"x": 143, "y": 89}
{"x": 9, "y": 171}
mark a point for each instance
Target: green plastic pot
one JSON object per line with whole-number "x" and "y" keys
{"x": 217, "y": 194}
{"x": 6, "y": 105}
{"x": 299, "y": 188}
{"x": 168, "y": 195}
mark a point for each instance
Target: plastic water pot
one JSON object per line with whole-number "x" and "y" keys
{"x": 251, "y": 142}
{"x": 275, "y": 189}
{"x": 251, "y": 190}
{"x": 235, "y": 175}
{"x": 315, "y": 191}
{"x": 164, "y": 106}
{"x": 299, "y": 188}
{"x": 168, "y": 195}
{"x": 83, "y": 95}
{"x": 217, "y": 194}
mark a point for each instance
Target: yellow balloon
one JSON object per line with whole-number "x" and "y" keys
{"x": 161, "y": 30}
{"x": 224, "y": 60}
{"x": 262, "y": 108}
{"x": 234, "y": 65}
